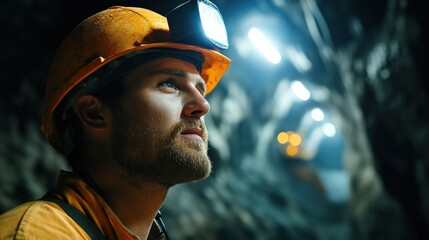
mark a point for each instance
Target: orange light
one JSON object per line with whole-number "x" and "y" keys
{"x": 295, "y": 139}
{"x": 282, "y": 138}
{"x": 291, "y": 150}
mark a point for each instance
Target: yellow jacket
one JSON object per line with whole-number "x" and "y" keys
{"x": 46, "y": 220}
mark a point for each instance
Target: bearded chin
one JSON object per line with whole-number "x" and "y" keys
{"x": 176, "y": 160}
{"x": 186, "y": 160}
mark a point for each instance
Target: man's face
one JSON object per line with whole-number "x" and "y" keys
{"x": 157, "y": 129}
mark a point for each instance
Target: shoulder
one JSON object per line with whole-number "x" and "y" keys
{"x": 39, "y": 220}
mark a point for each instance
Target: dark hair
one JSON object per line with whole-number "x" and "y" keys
{"x": 112, "y": 92}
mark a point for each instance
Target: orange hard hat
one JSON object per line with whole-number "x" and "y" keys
{"x": 105, "y": 36}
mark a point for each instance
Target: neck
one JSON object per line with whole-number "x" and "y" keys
{"x": 136, "y": 205}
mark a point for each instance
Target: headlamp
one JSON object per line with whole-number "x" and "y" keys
{"x": 198, "y": 22}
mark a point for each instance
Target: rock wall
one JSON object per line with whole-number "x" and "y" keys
{"x": 367, "y": 182}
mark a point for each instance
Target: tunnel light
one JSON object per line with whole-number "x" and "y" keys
{"x": 317, "y": 114}
{"x": 264, "y": 45}
{"x": 300, "y": 90}
{"x": 291, "y": 151}
{"x": 329, "y": 129}
{"x": 282, "y": 138}
{"x": 295, "y": 139}
{"x": 298, "y": 59}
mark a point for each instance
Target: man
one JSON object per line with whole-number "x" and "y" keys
{"x": 125, "y": 104}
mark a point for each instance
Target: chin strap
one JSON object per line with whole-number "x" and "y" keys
{"x": 158, "y": 221}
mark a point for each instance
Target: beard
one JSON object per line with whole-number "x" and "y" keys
{"x": 154, "y": 154}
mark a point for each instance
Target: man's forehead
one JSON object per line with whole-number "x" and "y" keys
{"x": 169, "y": 66}
{"x": 171, "y": 62}
{"x": 170, "y": 71}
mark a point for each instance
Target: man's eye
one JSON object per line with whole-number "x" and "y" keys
{"x": 168, "y": 84}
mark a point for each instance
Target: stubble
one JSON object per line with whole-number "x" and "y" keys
{"x": 161, "y": 155}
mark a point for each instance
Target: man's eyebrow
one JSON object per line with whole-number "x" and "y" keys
{"x": 169, "y": 71}
{"x": 202, "y": 85}
{"x": 179, "y": 73}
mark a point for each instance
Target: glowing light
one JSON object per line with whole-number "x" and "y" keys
{"x": 213, "y": 24}
{"x": 283, "y": 138}
{"x": 295, "y": 140}
{"x": 291, "y": 150}
{"x": 329, "y": 129}
{"x": 317, "y": 114}
{"x": 300, "y": 90}
{"x": 264, "y": 45}
{"x": 298, "y": 59}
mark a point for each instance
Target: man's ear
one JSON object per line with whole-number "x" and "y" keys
{"x": 91, "y": 111}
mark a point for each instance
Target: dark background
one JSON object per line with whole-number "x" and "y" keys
{"x": 367, "y": 74}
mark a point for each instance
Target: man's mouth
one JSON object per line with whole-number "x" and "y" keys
{"x": 194, "y": 133}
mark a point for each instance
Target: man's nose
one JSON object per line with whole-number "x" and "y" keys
{"x": 196, "y": 104}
